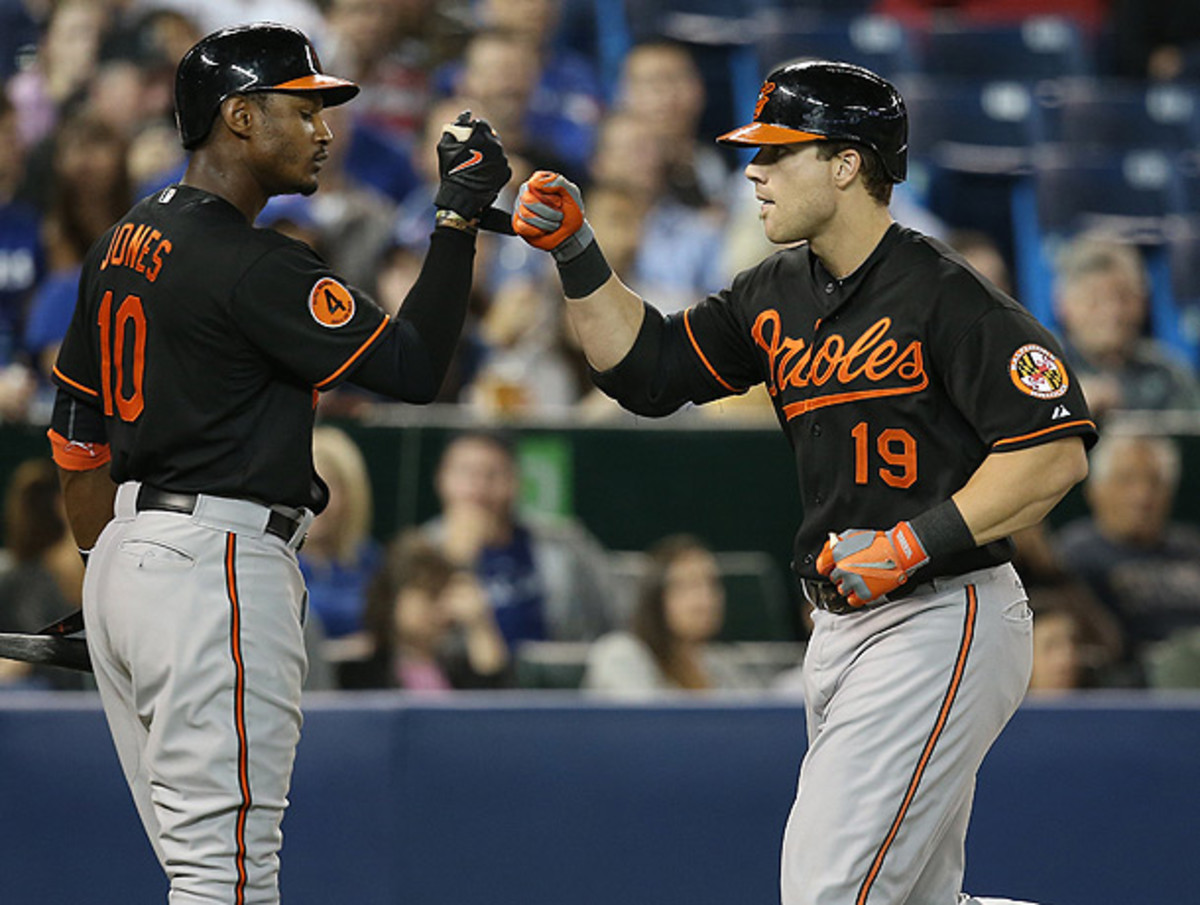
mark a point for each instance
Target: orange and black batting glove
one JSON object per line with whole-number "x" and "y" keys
{"x": 549, "y": 216}
{"x": 866, "y": 565}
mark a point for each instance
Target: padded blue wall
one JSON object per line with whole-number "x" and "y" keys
{"x": 532, "y": 799}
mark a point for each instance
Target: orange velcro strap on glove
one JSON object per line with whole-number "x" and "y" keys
{"x": 866, "y": 565}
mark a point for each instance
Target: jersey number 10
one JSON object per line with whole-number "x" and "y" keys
{"x": 895, "y": 446}
{"x": 122, "y": 343}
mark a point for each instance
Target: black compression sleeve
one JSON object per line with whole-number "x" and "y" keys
{"x": 410, "y": 361}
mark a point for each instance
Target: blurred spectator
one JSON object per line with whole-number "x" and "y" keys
{"x": 432, "y": 626}
{"x": 982, "y": 253}
{"x": 670, "y": 642}
{"x": 210, "y": 15}
{"x": 1101, "y": 297}
{"x": 1058, "y": 660}
{"x": 41, "y": 572}
{"x": 546, "y": 579}
{"x": 1076, "y": 643}
{"x": 64, "y": 65}
{"x": 340, "y": 556}
{"x": 376, "y": 43}
{"x": 564, "y": 100}
{"x": 21, "y": 267}
{"x": 680, "y": 252}
{"x": 155, "y": 158}
{"x": 500, "y": 73}
{"x": 525, "y": 369}
{"x": 90, "y": 192}
{"x": 1141, "y": 565}
{"x": 661, "y": 84}
{"x": 1089, "y": 14}
{"x": 381, "y": 45}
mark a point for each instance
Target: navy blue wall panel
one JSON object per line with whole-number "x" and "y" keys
{"x": 532, "y": 799}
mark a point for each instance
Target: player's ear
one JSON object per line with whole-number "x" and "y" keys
{"x": 238, "y": 113}
{"x": 849, "y": 162}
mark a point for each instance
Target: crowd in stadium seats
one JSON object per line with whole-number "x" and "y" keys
{"x": 1054, "y": 143}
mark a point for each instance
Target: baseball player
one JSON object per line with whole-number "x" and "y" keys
{"x": 186, "y": 391}
{"x": 930, "y": 417}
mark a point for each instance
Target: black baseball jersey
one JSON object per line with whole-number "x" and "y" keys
{"x": 204, "y": 341}
{"x": 892, "y": 384}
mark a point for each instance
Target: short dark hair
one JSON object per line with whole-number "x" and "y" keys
{"x": 875, "y": 178}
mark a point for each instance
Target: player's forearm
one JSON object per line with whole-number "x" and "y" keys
{"x": 1014, "y": 490}
{"x": 607, "y": 322}
{"x": 411, "y": 360}
{"x": 88, "y": 499}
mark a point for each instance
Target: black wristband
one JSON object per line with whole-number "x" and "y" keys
{"x": 585, "y": 273}
{"x": 942, "y": 531}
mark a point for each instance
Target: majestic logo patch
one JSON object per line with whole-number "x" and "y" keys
{"x": 331, "y": 303}
{"x": 1036, "y": 372}
{"x": 764, "y": 94}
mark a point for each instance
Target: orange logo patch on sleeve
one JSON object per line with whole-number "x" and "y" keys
{"x": 330, "y": 303}
{"x": 1036, "y": 372}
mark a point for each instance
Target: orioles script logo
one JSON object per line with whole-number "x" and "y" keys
{"x": 872, "y": 356}
{"x": 764, "y": 94}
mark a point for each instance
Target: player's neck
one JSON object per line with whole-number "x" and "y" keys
{"x": 226, "y": 179}
{"x": 850, "y": 238}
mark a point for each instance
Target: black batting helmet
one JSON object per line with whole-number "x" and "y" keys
{"x": 818, "y": 99}
{"x": 246, "y": 58}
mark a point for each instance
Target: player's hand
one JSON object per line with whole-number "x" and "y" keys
{"x": 549, "y": 216}
{"x": 865, "y": 565}
{"x": 472, "y": 166}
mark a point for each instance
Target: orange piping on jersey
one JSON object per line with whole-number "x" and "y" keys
{"x": 687, "y": 323}
{"x": 939, "y": 725}
{"x": 79, "y": 386}
{"x": 804, "y": 406}
{"x": 72, "y": 455}
{"x": 1049, "y": 430}
{"x": 239, "y": 713}
{"x": 353, "y": 358}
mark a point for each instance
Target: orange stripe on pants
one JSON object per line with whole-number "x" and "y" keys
{"x": 960, "y": 666}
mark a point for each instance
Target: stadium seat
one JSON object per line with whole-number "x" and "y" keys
{"x": 1114, "y": 115}
{"x": 1039, "y": 48}
{"x": 1135, "y": 196}
{"x": 880, "y": 43}
{"x": 987, "y": 126}
{"x": 1183, "y": 262}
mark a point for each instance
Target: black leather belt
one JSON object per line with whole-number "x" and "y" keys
{"x": 824, "y": 596}
{"x": 278, "y": 523}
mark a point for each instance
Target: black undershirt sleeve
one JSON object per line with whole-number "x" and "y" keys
{"x": 411, "y": 359}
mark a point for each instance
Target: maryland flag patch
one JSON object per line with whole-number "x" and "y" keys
{"x": 1037, "y": 372}
{"x": 330, "y": 303}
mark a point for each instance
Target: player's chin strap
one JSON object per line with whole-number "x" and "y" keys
{"x": 58, "y": 644}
